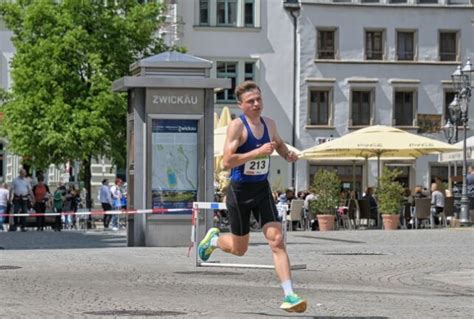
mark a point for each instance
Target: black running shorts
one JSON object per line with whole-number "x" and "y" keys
{"x": 246, "y": 198}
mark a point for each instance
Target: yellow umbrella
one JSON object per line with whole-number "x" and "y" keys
{"x": 216, "y": 120}
{"x": 379, "y": 141}
{"x": 225, "y": 117}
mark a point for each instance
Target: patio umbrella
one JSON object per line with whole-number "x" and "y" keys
{"x": 216, "y": 120}
{"x": 225, "y": 117}
{"x": 221, "y": 125}
{"x": 380, "y": 141}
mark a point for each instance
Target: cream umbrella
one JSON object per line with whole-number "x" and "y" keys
{"x": 216, "y": 120}
{"x": 222, "y": 123}
{"x": 379, "y": 141}
{"x": 225, "y": 117}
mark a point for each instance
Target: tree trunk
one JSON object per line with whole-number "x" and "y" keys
{"x": 87, "y": 181}
{"x": 87, "y": 184}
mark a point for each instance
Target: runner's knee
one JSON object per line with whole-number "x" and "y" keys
{"x": 276, "y": 241}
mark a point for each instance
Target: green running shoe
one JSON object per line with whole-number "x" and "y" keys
{"x": 205, "y": 249}
{"x": 293, "y": 303}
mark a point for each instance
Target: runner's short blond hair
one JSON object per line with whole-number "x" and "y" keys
{"x": 244, "y": 87}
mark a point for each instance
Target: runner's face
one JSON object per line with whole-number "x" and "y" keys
{"x": 251, "y": 103}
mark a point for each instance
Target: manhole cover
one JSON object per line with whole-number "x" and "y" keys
{"x": 142, "y": 313}
{"x": 353, "y": 254}
{"x": 7, "y": 267}
{"x": 208, "y": 273}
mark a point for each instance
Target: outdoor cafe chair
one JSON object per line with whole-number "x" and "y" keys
{"x": 405, "y": 214}
{"x": 296, "y": 212}
{"x": 422, "y": 210}
{"x": 348, "y": 219}
{"x": 448, "y": 210}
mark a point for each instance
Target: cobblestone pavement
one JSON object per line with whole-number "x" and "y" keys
{"x": 350, "y": 274}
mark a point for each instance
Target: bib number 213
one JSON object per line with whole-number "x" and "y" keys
{"x": 258, "y": 166}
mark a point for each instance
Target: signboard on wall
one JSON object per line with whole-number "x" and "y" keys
{"x": 174, "y": 182}
{"x": 429, "y": 123}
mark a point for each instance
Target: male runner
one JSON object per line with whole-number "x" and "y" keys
{"x": 250, "y": 140}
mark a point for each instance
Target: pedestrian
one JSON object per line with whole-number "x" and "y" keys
{"x": 3, "y": 204}
{"x": 41, "y": 193}
{"x": 250, "y": 140}
{"x": 116, "y": 193}
{"x": 437, "y": 202}
{"x": 59, "y": 198}
{"x": 470, "y": 186}
{"x": 20, "y": 195}
{"x": 105, "y": 198}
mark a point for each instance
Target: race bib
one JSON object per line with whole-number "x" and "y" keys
{"x": 257, "y": 166}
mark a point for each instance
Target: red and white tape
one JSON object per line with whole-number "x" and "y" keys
{"x": 101, "y": 212}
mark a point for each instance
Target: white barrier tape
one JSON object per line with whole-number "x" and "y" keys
{"x": 109, "y": 212}
{"x": 209, "y": 205}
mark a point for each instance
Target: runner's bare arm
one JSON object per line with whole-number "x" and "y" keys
{"x": 280, "y": 146}
{"x": 234, "y": 140}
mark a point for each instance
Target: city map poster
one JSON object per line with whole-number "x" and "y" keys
{"x": 174, "y": 163}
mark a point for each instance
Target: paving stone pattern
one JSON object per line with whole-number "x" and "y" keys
{"x": 350, "y": 274}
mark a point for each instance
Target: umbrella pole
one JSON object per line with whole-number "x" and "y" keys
{"x": 450, "y": 182}
{"x": 353, "y": 176}
{"x": 379, "y": 225}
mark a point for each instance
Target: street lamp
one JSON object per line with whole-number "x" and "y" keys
{"x": 462, "y": 80}
{"x": 294, "y": 8}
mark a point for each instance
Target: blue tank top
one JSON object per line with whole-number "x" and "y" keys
{"x": 255, "y": 170}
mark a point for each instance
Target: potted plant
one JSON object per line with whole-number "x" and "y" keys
{"x": 325, "y": 187}
{"x": 389, "y": 197}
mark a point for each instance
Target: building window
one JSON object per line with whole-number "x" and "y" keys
{"x": 227, "y": 70}
{"x": 405, "y": 46}
{"x": 236, "y": 71}
{"x": 203, "y": 12}
{"x": 249, "y": 11}
{"x": 226, "y": 11}
{"x": 319, "y": 107}
{"x": 448, "y": 46}
{"x": 361, "y": 107}
{"x": 462, "y": 2}
{"x": 404, "y": 106}
{"x": 369, "y": 1}
{"x": 427, "y": 1}
{"x": 397, "y": 1}
{"x": 439, "y": 171}
{"x": 249, "y": 71}
{"x": 346, "y": 173}
{"x": 326, "y": 44}
{"x": 374, "y": 45}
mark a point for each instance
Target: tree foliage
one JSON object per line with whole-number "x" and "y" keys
{"x": 390, "y": 193}
{"x": 61, "y": 106}
{"x": 325, "y": 187}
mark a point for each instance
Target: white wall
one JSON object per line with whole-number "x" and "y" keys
{"x": 432, "y": 76}
{"x": 271, "y": 45}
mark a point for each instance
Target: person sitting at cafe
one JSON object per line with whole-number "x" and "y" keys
{"x": 372, "y": 204}
{"x": 437, "y": 202}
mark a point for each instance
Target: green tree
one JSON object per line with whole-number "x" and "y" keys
{"x": 61, "y": 106}
{"x": 326, "y": 186}
{"x": 390, "y": 193}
